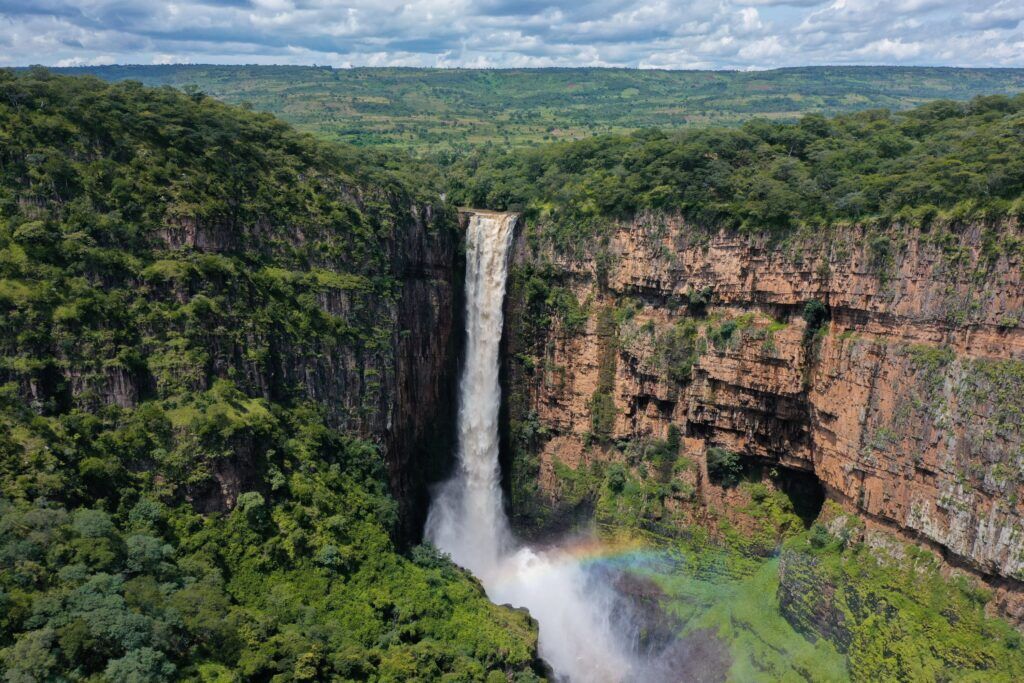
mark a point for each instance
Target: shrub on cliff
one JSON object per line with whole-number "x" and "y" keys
{"x": 815, "y": 314}
{"x": 724, "y": 466}
{"x": 616, "y": 477}
{"x": 677, "y": 350}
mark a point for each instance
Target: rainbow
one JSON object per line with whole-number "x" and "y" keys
{"x": 583, "y": 552}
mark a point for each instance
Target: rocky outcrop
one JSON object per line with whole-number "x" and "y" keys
{"x": 907, "y": 403}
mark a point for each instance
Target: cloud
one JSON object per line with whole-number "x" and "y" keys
{"x": 794, "y": 3}
{"x": 82, "y": 61}
{"x": 514, "y": 33}
{"x": 760, "y": 50}
{"x": 889, "y": 50}
{"x": 1002, "y": 15}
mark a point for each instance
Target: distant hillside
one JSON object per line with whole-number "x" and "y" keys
{"x": 439, "y": 109}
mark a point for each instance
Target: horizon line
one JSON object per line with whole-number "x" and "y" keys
{"x": 515, "y": 68}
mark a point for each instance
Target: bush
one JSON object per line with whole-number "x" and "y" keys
{"x": 675, "y": 439}
{"x": 602, "y": 416}
{"x": 697, "y": 300}
{"x": 428, "y": 556}
{"x": 617, "y": 477}
{"x": 815, "y": 314}
{"x": 677, "y": 351}
{"x": 820, "y": 537}
{"x": 724, "y": 466}
{"x": 880, "y": 253}
{"x": 722, "y": 335}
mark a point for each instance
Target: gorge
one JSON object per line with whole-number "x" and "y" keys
{"x": 765, "y": 391}
{"x": 740, "y": 404}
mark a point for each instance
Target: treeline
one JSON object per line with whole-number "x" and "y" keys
{"x": 948, "y": 158}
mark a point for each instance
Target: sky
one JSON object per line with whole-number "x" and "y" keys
{"x": 702, "y": 34}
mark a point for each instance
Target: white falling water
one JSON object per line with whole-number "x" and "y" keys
{"x": 467, "y": 519}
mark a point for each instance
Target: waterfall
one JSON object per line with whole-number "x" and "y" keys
{"x": 467, "y": 518}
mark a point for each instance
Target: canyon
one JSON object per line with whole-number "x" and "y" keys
{"x": 269, "y": 401}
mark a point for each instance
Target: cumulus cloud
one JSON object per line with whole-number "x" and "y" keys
{"x": 515, "y": 33}
{"x": 887, "y": 49}
{"x": 1006, "y": 14}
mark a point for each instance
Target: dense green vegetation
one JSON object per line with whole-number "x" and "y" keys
{"x": 830, "y": 602}
{"x": 103, "y": 577}
{"x": 197, "y": 316}
{"x": 943, "y": 158}
{"x": 174, "y": 502}
{"x": 450, "y": 110}
{"x": 854, "y": 606}
{"x": 728, "y": 585}
{"x": 891, "y": 609}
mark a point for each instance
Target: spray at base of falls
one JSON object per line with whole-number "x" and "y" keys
{"x": 467, "y": 518}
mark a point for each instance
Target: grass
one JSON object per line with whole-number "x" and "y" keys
{"x": 852, "y": 604}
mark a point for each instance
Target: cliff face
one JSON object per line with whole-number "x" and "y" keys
{"x": 397, "y": 390}
{"x": 419, "y": 432}
{"x": 904, "y": 399}
{"x": 286, "y": 315}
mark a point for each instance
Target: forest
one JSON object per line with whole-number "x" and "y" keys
{"x": 941, "y": 159}
{"x": 132, "y": 370}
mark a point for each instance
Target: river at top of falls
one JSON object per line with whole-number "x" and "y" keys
{"x": 467, "y": 518}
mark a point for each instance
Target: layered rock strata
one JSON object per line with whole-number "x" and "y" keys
{"x": 907, "y": 404}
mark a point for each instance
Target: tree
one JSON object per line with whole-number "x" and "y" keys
{"x": 815, "y": 314}
{"x": 32, "y": 658}
{"x": 616, "y": 478}
{"x": 724, "y": 466}
{"x": 144, "y": 665}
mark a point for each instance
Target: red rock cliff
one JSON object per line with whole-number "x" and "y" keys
{"x": 907, "y": 405}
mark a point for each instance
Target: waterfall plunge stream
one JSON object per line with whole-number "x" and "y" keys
{"x": 467, "y": 518}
